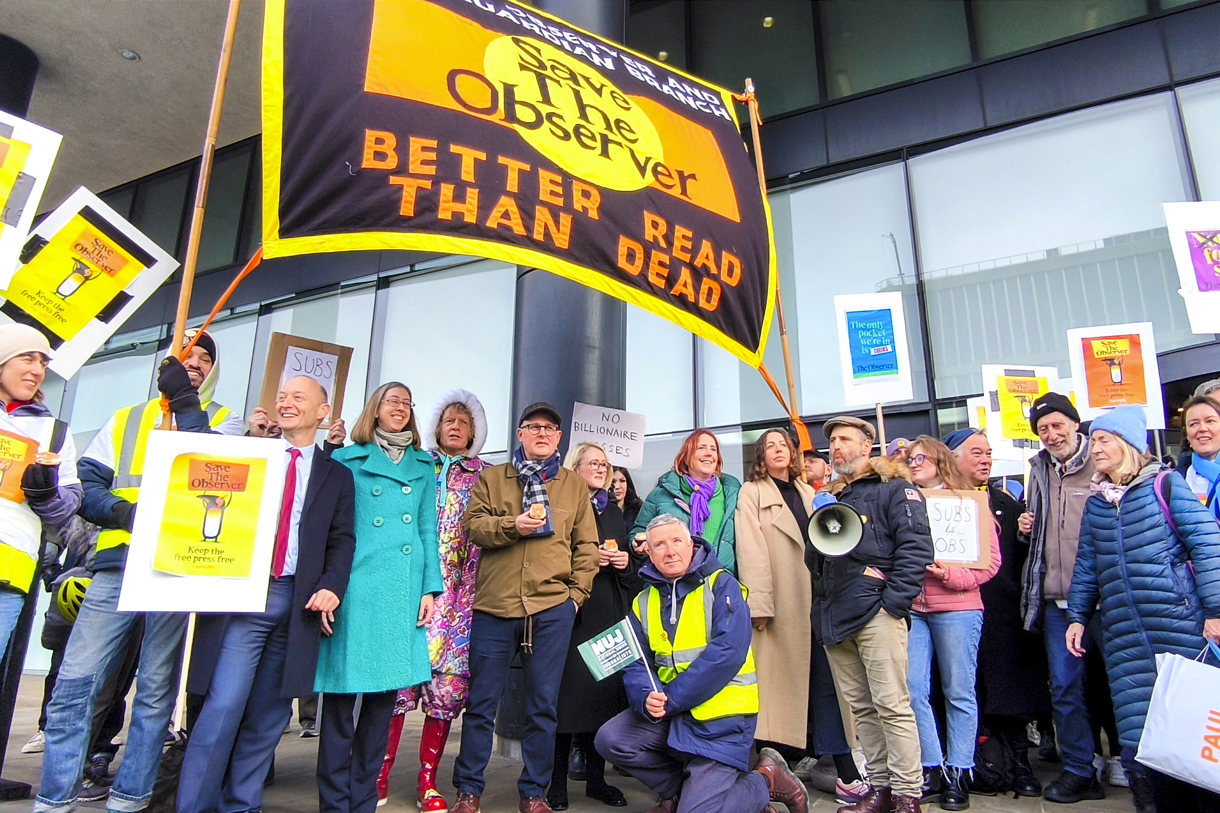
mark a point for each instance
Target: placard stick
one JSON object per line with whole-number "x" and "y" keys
{"x": 881, "y": 428}
{"x": 188, "y": 278}
{"x": 791, "y": 407}
{"x": 201, "y": 191}
{"x": 643, "y": 658}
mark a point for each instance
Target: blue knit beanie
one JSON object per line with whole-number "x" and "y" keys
{"x": 1128, "y": 422}
{"x": 958, "y": 437}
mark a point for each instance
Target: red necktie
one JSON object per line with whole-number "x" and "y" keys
{"x": 281, "y": 533}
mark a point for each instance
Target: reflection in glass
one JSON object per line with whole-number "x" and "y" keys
{"x": 1004, "y": 26}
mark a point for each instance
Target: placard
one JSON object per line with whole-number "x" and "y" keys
{"x": 961, "y": 525}
{"x": 85, "y": 271}
{"x": 619, "y": 432}
{"x": 27, "y": 153}
{"x": 1194, "y": 236}
{"x": 16, "y": 453}
{"x": 205, "y": 529}
{"x": 873, "y": 351}
{"x": 1115, "y": 365}
{"x": 292, "y": 356}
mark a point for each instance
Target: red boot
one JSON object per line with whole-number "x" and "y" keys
{"x": 431, "y": 746}
{"x": 391, "y": 750}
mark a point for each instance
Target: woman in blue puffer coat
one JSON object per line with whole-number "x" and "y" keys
{"x": 1131, "y": 561}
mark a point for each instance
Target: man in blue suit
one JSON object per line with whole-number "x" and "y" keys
{"x": 249, "y": 667}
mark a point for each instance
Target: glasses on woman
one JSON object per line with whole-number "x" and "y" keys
{"x": 544, "y": 429}
{"x": 917, "y": 459}
{"x": 601, "y": 465}
{"x": 395, "y": 403}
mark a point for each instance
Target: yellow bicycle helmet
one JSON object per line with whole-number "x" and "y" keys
{"x": 70, "y": 596}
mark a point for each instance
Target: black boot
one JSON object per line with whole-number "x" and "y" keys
{"x": 933, "y": 781}
{"x": 1142, "y": 795}
{"x": 955, "y": 796}
{"x": 1024, "y": 783}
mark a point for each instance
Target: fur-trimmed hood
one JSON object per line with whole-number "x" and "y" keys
{"x": 883, "y": 467}
{"x": 476, "y": 410}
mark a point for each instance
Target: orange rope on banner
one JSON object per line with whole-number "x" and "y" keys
{"x": 216, "y": 309}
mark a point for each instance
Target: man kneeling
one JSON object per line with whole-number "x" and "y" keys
{"x": 696, "y": 716}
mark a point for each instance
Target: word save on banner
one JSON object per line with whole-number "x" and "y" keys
{"x": 493, "y": 129}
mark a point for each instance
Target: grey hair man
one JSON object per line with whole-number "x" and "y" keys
{"x": 690, "y": 725}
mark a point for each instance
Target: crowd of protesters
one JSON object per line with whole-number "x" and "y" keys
{"x": 409, "y": 574}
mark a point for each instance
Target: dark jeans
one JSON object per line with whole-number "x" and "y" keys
{"x": 351, "y": 751}
{"x": 1069, "y": 705}
{"x": 493, "y": 642}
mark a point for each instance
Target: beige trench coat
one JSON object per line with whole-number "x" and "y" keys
{"x": 771, "y": 564}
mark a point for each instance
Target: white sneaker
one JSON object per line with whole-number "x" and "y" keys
{"x": 1116, "y": 773}
{"x": 35, "y": 744}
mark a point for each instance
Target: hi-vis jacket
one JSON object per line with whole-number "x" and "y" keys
{"x": 696, "y": 630}
{"x": 113, "y": 464}
{"x": 20, "y": 522}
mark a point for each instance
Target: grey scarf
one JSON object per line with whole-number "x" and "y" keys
{"x": 394, "y": 444}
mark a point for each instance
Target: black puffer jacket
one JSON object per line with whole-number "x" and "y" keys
{"x": 897, "y": 542}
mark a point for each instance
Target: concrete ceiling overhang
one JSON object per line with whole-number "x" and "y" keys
{"x": 122, "y": 119}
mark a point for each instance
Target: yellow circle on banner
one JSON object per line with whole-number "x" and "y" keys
{"x": 570, "y": 112}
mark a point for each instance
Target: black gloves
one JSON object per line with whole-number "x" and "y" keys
{"x": 175, "y": 384}
{"x": 123, "y": 514}
{"x": 40, "y": 482}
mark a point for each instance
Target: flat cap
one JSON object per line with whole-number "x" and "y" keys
{"x": 854, "y": 422}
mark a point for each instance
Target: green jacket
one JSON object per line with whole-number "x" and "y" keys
{"x": 667, "y": 498}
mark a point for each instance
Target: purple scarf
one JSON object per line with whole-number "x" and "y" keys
{"x": 600, "y": 498}
{"x": 700, "y": 499}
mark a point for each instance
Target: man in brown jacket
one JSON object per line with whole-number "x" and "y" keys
{"x": 535, "y": 525}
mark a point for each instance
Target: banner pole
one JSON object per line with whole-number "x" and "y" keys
{"x": 201, "y": 190}
{"x": 793, "y": 411}
{"x": 881, "y": 428}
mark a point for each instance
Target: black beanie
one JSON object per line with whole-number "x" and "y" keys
{"x": 205, "y": 342}
{"x": 1051, "y": 402}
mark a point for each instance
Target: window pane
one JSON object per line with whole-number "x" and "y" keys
{"x": 102, "y": 387}
{"x": 221, "y": 219}
{"x": 657, "y": 29}
{"x": 235, "y": 346}
{"x": 1045, "y": 227}
{"x": 344, "y": 318}
{"x": 872, "y": 43}
{"x": 770, "y": 41}
{"x": 850, "y": 235}
{"x": 160, "y": 204}
{"x": 1004, "y": 26}
{"x": 120, "y": 200}
{"x": 660, "y": 372}
{"x": 1201, "y": 115}
{"x": 452, "y": 329}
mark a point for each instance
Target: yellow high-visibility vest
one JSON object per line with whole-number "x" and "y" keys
{"x": 131, "y": 427}
{"x": 694, "y": 629}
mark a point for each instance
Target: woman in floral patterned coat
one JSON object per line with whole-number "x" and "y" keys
{"x": 454, "y": 435}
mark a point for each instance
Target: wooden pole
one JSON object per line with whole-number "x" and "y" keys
{"x": 201, "y": 190}
{"x": 881, "y": 428}
{"x": 793, "y": 410}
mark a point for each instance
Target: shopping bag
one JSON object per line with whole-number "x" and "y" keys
{"x": 1182, "y": 730}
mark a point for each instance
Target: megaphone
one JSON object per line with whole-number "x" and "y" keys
{"x": 835, "y": 528}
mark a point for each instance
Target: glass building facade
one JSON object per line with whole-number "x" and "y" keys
{"x": 1004, "y": 215}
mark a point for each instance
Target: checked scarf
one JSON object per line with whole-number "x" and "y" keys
{"x": 533, "y": 475}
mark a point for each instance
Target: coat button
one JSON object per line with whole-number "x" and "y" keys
{"x": 406, "y": 550}
{"x": 406, "y": 518}
{"x": 406, "y": 489}
{"x": 376, "y": 491}
{"x": 377, "y": 522}
{"x": 525, "y": 564}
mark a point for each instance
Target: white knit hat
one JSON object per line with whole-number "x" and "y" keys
{"x": 16, "y": 339}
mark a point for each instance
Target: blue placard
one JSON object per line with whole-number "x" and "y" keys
{"x": 870, "y": 338}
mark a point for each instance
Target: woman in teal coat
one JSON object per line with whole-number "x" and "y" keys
{"x": 379, "y": 645}
{"x": 698, "y": 491}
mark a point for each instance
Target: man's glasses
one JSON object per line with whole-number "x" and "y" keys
{"x": 544, "y": 429}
